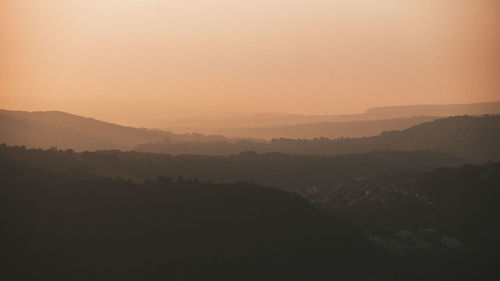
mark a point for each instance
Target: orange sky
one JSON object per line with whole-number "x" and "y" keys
{"x": 132, "y": 61}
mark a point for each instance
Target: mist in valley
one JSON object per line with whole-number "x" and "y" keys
{"x": 250, "y": 140}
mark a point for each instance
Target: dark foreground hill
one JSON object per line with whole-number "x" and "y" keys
{"x": 74, "y": 226}
{"x": 63, "y": 130}
{"x": 61, "y": 221}
{"x": 474, "y": 138}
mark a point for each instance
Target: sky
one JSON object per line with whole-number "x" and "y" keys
{"x": 134, "y": 61}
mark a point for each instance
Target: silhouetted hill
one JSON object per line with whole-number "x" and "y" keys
{"x": 61, "y": 220}
{"x": 474, "y": 138}
{"x": 74, "y": 226}
{"x": 63, "y": 130}
{"x": 282, "y": 170}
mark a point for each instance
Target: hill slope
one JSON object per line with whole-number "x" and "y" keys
{"x": 79, "y": 227}
{"x": 67, "y": 131}
{"x": 474, "y": 138}
{"x": 281, "y": 170}
{"x": 63, "y": 223}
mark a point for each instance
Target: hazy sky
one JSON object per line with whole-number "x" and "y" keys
{"x": 132, "y": 61}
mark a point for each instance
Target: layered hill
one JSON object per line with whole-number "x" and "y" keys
{"x": 265, "y": 125}
{"x": 434, "y": 110}
{"x": 64, "y": 220}
{"x": 474, "y": 138}
{"x": 276, "y": 169}
{"x": 67, "y": 131}
{"x": 350, "y": 129}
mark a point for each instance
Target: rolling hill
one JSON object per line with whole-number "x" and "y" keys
{"x": 67, "y": 131}
{"x": 263, "y": 125}
{"x": 473, "y": 138}
{"x": 286, "y": 171}
{"x": 349, "y": 129}
{"x": 81, "y": 227}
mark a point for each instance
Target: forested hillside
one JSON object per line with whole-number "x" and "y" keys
{"x": 282, "y": 170}
{"x": 387, "y": 213}
{"x": 75, "y": 226}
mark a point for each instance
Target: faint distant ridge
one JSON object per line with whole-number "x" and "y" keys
{"x": 273, "y": 125}
{"x": 435, "y": 110}
{"x": 350, "y": 129}
{"x": 45, "y": 129}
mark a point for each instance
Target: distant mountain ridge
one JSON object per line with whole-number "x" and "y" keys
{"x": 436, "y": 109}
{"x": 67, "y": 131}
{"x": 350, "y": 129}
{"x": 303, "y": 126}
